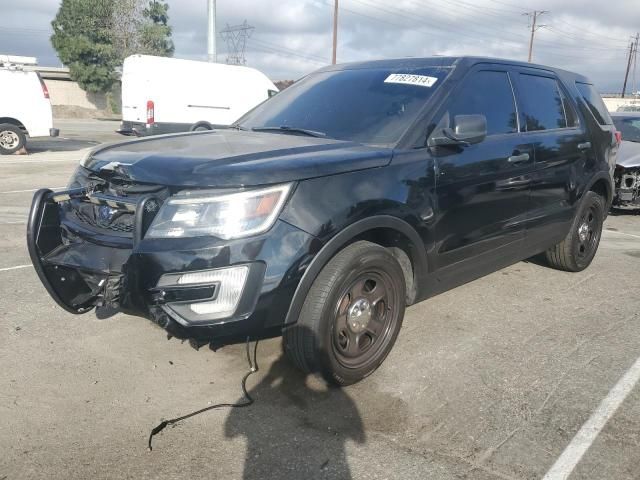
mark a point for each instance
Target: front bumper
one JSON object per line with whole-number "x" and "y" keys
{"x": 627, "y": 185}
{"x": 82, "y": 270}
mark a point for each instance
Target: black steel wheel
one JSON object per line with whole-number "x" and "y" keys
{"x": 577, "y": 250}
{"x": 589, "y": 231}
{"x": 351, "y": 316}
{"x": 364, "y": 315}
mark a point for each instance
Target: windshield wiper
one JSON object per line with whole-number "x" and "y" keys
{"x": 287, "y": 128}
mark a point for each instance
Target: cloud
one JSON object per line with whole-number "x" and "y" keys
{"x": 293, "y": 37}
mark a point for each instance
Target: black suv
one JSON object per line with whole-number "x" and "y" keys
{"x": 327, "y": 209}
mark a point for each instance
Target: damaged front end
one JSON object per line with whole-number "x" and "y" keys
{"x": 627, "y": 183}
{"x": 79, "y": 274}
{"x": 91, "y": 246}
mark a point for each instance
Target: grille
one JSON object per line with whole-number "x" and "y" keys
{"x": 123, "y": 223}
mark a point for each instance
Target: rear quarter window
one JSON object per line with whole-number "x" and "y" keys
{"x": 594, "y": 102}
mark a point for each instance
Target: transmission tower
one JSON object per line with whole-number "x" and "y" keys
{"x": 236, "y": 37}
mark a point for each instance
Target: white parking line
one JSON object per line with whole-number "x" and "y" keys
{"x": 30, "y": 190}
{"x": 51, "y": 160}
{"x": 623, "y": 233}
{"x": 6, "y": 269}
{"x": 590, "y": 430}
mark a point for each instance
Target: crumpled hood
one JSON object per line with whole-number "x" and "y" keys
{"x": 232, "y": 158}
{"x": 629, "y": 154}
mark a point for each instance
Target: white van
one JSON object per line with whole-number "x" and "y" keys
{"x": 163, "y": 95}
{"x": 25, "y": 109}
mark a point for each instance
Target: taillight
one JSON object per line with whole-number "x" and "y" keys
{"x": 618, "y": 137}
{"x": 150, "y": 113}
{"x": 45, "y": 90}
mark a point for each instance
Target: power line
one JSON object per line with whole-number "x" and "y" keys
{"x": 586, "y": 32}
{"x": 573, "y": 36}
{"x": 309, "y": 56}
{"x": 270, "y": 48}
{"x": 510, "y": 5}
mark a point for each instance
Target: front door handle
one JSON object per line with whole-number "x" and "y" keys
{"x": 584, "y": 146}
{"x": 523, "y": 157}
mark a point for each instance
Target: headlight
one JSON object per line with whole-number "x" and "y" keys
{"x": 235, "y": 215}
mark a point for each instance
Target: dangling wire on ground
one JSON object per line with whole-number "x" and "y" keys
{"x": 253, "y": 367}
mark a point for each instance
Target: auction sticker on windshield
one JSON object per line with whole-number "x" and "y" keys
{"x": 409, "y": 79}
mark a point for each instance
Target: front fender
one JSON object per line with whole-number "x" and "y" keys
{"x": 345, "y": 237}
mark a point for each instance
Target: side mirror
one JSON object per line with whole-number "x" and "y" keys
{"x": 468, "y": 129}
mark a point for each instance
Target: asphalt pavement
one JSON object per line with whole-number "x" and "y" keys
{"x": 493, "y": 380}
{"x": 76, "y": 135}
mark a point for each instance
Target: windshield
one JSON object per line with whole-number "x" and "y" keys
{"x": 629, "y": 127}
{"x": 371, "y": 106}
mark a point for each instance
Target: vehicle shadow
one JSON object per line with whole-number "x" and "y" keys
{"x": 58, "y": 145}
{"x": 297, "y": 427}
{"x": 539, "y": 260}
{"x": 624, "y": 212}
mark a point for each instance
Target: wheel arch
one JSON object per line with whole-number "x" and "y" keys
{"x": 602, "y": 185}
{"x": 385, "y": 230}
{"x": 14, "y": 121}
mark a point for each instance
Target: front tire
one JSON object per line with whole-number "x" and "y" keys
{"x": 351, "y": 316}
{"x": 576, "y": 251}
{"x": 12, "y": 139}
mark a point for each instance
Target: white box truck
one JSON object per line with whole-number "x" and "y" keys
{"x": 164, "y": 95}
{"x": 25, "y": 109}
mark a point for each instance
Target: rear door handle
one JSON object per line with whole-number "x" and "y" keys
{"x": 584, "y": 146}
{"x": 523, "y": 157}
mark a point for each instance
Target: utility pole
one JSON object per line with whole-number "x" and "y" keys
{"x": 635, "y": 65}
{"x": 212, "y": 54}
{"x": 534, "y": 19}
{"x": 626, "y": 74}
{"x": 335, "y": 32}
{"x": 633, "y": 51}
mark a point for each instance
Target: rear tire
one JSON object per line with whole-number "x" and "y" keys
{"x": 201, "y": 127}
{"x": 351, "y": 316}
{"x": 12, "y": 139}
{"x": 576, "y": 251}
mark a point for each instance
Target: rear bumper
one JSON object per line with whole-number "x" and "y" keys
{"x": 140, "y": 129}
{"x": 81, "y": 272}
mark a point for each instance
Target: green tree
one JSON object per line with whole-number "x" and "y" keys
{"x": 83, "y": 39}
{"x": 155, "y": 32}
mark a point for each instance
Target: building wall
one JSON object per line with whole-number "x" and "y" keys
{"x": 613, "y": 103}
{"x": 69, "y": 94}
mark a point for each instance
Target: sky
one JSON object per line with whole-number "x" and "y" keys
{"x": 293, "y": 37}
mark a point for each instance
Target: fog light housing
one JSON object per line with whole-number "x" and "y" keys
{"x": 229, "y": 283}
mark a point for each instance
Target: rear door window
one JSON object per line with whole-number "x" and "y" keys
{"x": 544, "y": 105}
{"x": 488, "y": 93}
{"x": 595, "y": 103}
